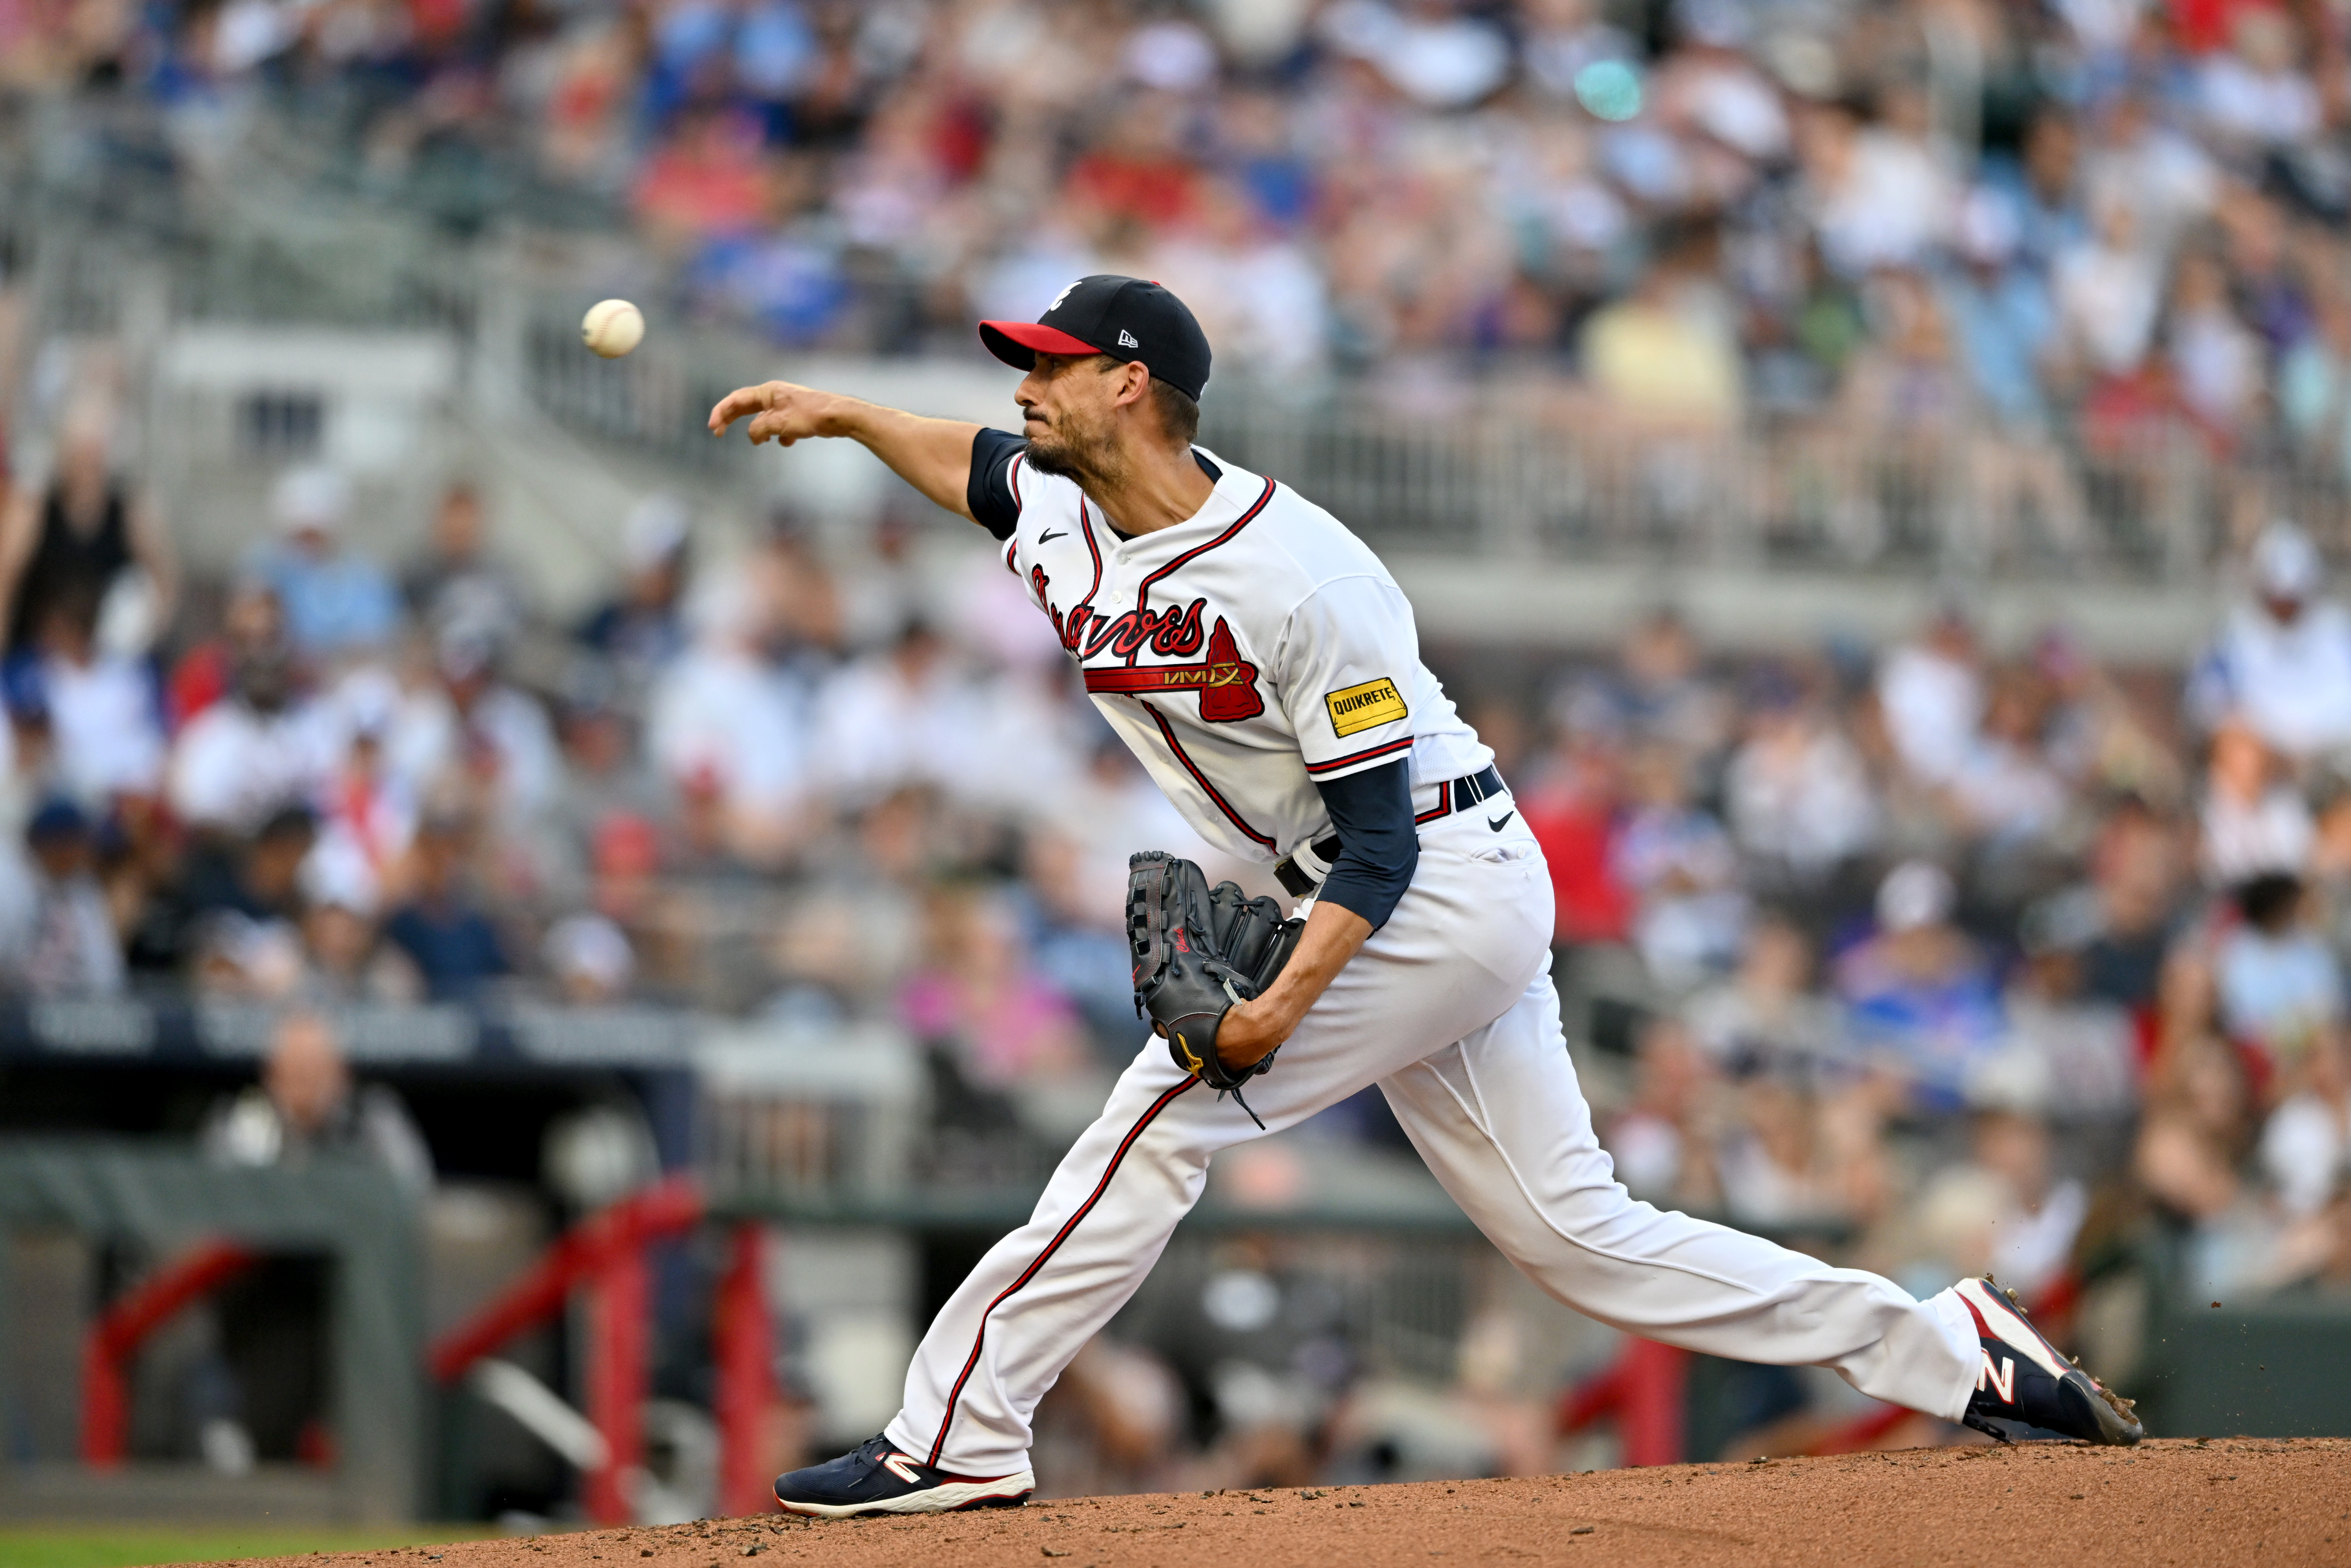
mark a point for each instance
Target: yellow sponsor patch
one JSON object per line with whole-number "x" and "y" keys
{"x": 1367, "y": 707}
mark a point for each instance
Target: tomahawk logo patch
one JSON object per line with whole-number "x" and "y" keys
{"x": 1365, "y": 707}
{"x": 1226, "y": 682}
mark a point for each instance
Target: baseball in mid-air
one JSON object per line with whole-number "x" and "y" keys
{"x": 611, "y": 327}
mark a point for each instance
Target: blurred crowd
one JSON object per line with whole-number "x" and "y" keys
{"x": 2016, "y": 224}
{"x": 1973, "y": 959}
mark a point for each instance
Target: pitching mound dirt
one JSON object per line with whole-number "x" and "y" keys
{"x": 2228, "y": 1503}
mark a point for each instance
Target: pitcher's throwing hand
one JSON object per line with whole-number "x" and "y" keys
{"x": 779, "y": 412}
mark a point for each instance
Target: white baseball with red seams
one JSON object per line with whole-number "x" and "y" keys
{"x": 1244, "y": 654}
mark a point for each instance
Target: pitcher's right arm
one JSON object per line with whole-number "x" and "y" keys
{"x": 933, "y": 456}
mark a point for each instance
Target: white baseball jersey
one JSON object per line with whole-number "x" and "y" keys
{"x": 1244, "y": 655}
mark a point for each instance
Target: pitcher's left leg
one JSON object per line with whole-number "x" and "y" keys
{"x": 1502, "y": 1121}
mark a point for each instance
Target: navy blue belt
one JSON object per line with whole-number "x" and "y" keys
{"x": 1453, "y": 795}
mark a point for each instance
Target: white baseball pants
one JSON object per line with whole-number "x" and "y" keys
{"x": 1449, "y": 1008}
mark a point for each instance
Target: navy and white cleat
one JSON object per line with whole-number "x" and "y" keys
{"x": 2027, "y": 1380}
{"x": 877, "y": 1479}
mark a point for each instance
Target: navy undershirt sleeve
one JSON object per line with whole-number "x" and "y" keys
{"x": 988, "y": 491}
{"x": 1378, "y": 843}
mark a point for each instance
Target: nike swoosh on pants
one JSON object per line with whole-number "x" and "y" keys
{"x": 1503, "y": 822}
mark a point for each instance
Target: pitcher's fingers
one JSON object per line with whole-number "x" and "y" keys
{"x": 735, "y": 405}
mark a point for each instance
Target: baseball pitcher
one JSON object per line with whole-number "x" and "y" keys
{"x": 1265, "y": 667}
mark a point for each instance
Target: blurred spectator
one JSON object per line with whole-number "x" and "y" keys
{"x": 252, "y": 622}
{"x": 101, "y": 703}
{"x": 1678, "y": 864}
{"x": 2280, "y": 990}
{"x": 1931, "y": 694}
{"x": 2072, "y": 1053}
{"x": 897, "y": 719}
{"x": 264, "y": 1386}
{"x": 2006, "y": 1208}
{"x": 71, "y": 544}
{"x": 1663, "y": 1141}
{"x": 56, "y": 935}
{"x": 1570, "y": 807}
{"x": 2239, "y": 1240}
{"x": 443, "y": 925}
{"x": 1665, "y": 357}
{"x": 239, "y": 908}
{"x": 1793, "y": 1159}
{"x": 1767, "y": 1016}
{"x": 2284, "y": 664}
{"x": 591, "y": 960}
{"x": 459, "y": 581}
{"x": 470, "y": 730}
{"x": 257, "y": 749}
{"x": 2004, "y": 791}
{"x": 336, "y": 602}
{"x": 1800, "y": 800}
{"x": 2305, "y": 1147}
{"x": 2255, "y": 819}
{"x": 976, "y": 993}
{"x": 642, "y": 628}
{"x": 345, "y": 957}
{"x": 724, "y": 720}
{"x": 307, "y": 1106}
{"x": 1919, "y": 992}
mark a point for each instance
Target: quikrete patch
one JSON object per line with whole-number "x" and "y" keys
{"x": 1366, "y": 706}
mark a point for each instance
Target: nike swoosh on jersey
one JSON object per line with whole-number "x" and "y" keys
{"x": 1056, "y": 534}
{"x": 1499, "y": 823}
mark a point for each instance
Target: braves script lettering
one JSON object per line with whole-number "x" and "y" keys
{"x": 1226, "y": 682}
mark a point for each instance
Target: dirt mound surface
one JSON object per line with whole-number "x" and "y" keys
{"x": 2219, "y": 1504}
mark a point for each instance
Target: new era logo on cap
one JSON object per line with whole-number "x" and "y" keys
{"x": 1107, "y": 314}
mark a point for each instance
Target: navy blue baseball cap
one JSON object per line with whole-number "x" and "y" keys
{"x": 1124, "y": 317}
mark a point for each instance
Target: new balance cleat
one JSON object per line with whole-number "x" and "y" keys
{"x": 877, "y": 1479}
{"x": 2026, "y": 1380}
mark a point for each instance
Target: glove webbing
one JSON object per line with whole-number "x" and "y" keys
{"x": 1155, "y": 917}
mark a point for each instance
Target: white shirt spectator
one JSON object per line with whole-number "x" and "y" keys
{"x": 1439, "y": 62}
{"x": 1932, "y": 702}
{"x": 2007, "y": 791}
{"x": 894, "y": 719}
{"x": 110, "y": 739}
{"x": 233, "y": 764}
{"x": 2107, "y": 294}
{"x": 427, "y": 741}
{"x": 2305, "y": 1152}
{"x": 2290, "y": 680}
{"x": 1798, "y": 790}
{"x": 2030, "y": 1248}
{"x": 56, "y": 939}
{"x": 2242, "y": 841}
{"x": 1892, "y": 203}
{"x": 2254, "y": 95}
{"x": 722, "y": 713}
{"x": 2280, "y": 991}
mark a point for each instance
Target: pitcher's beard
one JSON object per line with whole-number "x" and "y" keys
{"x": 1088, "y": 459}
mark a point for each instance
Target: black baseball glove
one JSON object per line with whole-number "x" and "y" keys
{"x": 1197, "y": 951}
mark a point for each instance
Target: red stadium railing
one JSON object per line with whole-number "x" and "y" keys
{"x": 114, "y": 1338}
{"x": 604, "y": 1255}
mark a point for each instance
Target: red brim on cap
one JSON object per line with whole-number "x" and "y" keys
{"x": 1018, "y": 343}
